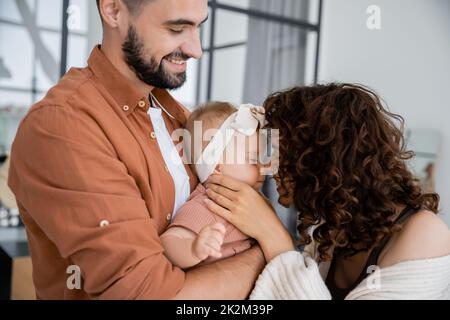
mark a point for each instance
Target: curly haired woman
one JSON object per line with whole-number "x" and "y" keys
{"x": 368, "y": 230}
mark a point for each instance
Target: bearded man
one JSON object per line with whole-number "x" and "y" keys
{"x": 92, "y": 173}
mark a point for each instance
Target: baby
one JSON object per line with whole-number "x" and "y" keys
{"x": 196, "y": 234}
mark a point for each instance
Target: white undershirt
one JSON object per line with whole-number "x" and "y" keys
{"x": 171, "y": 158}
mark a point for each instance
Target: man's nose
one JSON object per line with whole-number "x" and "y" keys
{"x": 192, "y": 46}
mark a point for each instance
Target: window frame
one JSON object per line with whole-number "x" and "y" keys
{"x": 215, "y": 5}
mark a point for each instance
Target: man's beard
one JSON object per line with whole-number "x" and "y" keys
{"x": 149, "y": 71}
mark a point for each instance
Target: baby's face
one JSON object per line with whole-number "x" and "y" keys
{"x": 241, "y": 162}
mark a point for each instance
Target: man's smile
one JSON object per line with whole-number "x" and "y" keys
{"x": 177, "y": 65}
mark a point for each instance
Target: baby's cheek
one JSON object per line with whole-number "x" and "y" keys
{"x": 246, "y": 173}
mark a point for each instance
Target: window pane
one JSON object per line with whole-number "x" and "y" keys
{"x": 77, "y": 52}
{"x": 275, "y": 56}
{"x": 13, "y": 107}
{"x": 10, "y": 12}
{"x": 202, "y": 89}
{"x": 17, "y": 57}
{"x": 85, "y": 31}
{"x": 206, "y": 32}
{"x": 29, "y": 58}
{"x": 47, "y": 59}
{"x": 78, "y": 15}
{"x": 194, "y": 91}
{"x": 305, "y": 10}
{"x": 187, "y": 93}
{"x": 231, "y": 28}
{"x": 16, "y": 99}
{"x": 49, "y": 14}
{"x": 229, "y": 74}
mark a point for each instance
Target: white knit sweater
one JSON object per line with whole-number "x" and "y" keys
{"x": 296, "y": 276}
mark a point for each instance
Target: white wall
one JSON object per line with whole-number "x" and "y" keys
{"x": 407, "y": 62}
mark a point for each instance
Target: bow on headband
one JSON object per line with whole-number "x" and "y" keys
{"x": 244, "y": 121}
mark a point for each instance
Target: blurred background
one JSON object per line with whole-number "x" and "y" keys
{"x": 251, "y": 48}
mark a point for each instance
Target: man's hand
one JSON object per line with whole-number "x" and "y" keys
{"x": 209, "y": 241}
{"x": 229, "y": 279}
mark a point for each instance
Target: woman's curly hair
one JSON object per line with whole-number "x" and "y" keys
{"x": 343, "y": 160}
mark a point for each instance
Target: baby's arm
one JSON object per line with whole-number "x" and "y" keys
{"x": 186, "y": 249}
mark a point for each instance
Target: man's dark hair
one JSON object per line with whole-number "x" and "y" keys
{"x": 133, "y": 6}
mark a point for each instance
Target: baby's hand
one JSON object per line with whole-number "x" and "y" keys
{"x": 209, "y": 241}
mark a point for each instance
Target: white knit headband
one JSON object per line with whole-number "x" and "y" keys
{"x": 245, "y": 121}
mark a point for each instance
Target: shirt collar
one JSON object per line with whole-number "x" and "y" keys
{"x": 126, "y": 95}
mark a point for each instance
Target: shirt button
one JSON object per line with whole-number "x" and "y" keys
{"x": 141, "y": 104}
{"x": 153, "y": 135}
{"x": 126, "y": 108}
{"x": 169, "y": 215}
{"x": 104, "y": 223}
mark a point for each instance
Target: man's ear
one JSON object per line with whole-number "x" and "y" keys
{"x": 111, "y": 11}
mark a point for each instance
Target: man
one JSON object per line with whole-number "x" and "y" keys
{"x": 90, "y": 170}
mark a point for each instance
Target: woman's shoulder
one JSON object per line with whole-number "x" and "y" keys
{"x": 423, "y": 236}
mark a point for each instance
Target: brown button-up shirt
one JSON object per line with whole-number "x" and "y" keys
{"x": 92, "y": 189}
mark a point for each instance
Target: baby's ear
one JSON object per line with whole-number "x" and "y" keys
{"x": 218, "y": 169}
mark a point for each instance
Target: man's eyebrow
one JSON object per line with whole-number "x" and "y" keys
{"x": 183, "y": 22}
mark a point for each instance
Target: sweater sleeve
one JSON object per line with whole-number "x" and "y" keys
{"x": 291, "y": 276}
{"x": 294, "y": 276}
{"x": 426, "y": 279}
